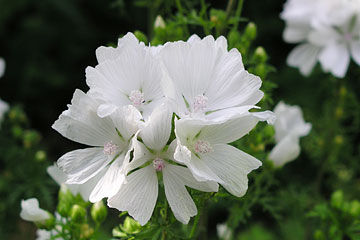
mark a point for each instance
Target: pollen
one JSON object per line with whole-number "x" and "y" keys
{"x": 200, "y": 103}
{"x": 159, "y": 164}
{"x": 203, "y": 147}
{"x": 137, "y": 98}
{"x": 110, "y": 148}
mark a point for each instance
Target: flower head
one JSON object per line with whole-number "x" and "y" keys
{"x": 30, "y": 211}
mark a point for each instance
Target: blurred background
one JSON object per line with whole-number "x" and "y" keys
{"x": 48, "y": 44}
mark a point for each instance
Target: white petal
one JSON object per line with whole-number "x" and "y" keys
{"x": 232, "y": 166}
{"x": 295, "y": 33}
{"x": 105, "y": 110}
{"x": 126, "y": 121}
{"x": 81, "y": 123}
{"x": 2, "y": 67}
{"x": 110, "y": 183}
{"x": 335, "y": 58}
{"x": 81, "y": 165}
{"x": 138, "y": 196}
{"x": 156, "y": 131}
{"x": 285, "y": 151}
{"x": 322, "y": 37}
{"x": 178, "y": 197}
{"x": 30, "y": 211}
{"x": 355, "y": 51}
{"x": 304, "y": 57}
{"x": 198, "y": 167}
{"x": 141, "y": 155}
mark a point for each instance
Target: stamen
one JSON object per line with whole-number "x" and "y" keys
{"x": 200, "y": 103}
{"x": 137, "y": 98}
{"x": 159, "y": 164}
{"x": 110, "y": 148}
{"x": 203, "y": 147}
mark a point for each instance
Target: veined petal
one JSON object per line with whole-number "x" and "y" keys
{"x": 81, "y": 123}
{"x": 178, "y": 197}
{"x": 232, "y": 166}
{"x": 81, "y": 165}
{"x": 126, "y": 120}
{"x": 141, "y": 155}
{"x": 304, "y": 57}
{"x": 157, "y": 129}
{"x": 285, "y": 151}
{"x": 335, "y": 58}
{"x": 110, "y": 183}
{"x": 138, "y": 196}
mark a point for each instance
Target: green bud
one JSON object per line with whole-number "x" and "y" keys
{"x": 319, "y": 235}
{"x": 250, "y": 31}
{"x": 78, "y": 214}
{"x": 86, "y": 231}
{"x": 31, "y": 138}
{"x": 337, "y": 199}
{"x": 40, "y": 156}
{"x": 141, "y": 36}
{"x": 46, "y": 224}
{"x": 17, "y": 131}
{"x": 261, "y": 70}
{"x": 234, "y": 38}
{"x": 269, "y": 131}
{"x": 98, "y": 212}
{"x": 131, "y": 226}
{"x": 66, "y": 200}
{"x": 354, "y": 208}
{"x": 260, "y": 55}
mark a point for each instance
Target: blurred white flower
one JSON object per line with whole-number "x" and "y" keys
{"x": 289, "y": 127}
{"x": 128, "y": 74}
{"x": 110, "y": 140}
{"x": 206, "y": 80}
{"x": 2, "y": 67}
{"x": 139, "y": 194}
{"x": 203, "y": 148}
{"x": 223, "y": 231}
{"x": 159, "y": 22}
{"x": 30, "y": 211}
{"x": 328, "y": 31}
{"x": 4, "y": 107}
{"x": 84, "y": 189}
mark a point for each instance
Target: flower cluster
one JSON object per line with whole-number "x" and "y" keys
{"x": 165, "y": 113}
{"x": 328, "y": 31}
{"x": 289, "y": 127}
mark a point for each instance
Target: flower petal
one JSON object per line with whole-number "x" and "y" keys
{"x": 355, "y": 51}
{"x": 304, "y": 57}
{"x": 83, "y": 164}
{"x": 157, "y": 129}
{"x": 232, "y": 166}
{"x": 285, "y": 151}
{"x": 335, "y": 58}
{"x": 81, "y": 123}
{"x": 138, "y": 196}
{"x": 30, "y": 211}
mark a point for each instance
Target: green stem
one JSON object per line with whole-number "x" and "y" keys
{"x": 194, "y": 226}
{"x": 238, "y": 12}
{"x": 203, "y": 15}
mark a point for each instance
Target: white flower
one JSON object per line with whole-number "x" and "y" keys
{"x": 84, "y": 189}
{"x": 223, "y": 231}
{"x": 128, "y": 74}
{"x": 30, "y": 211}
{"x": 110, "y": 140}
{"x": 289, "y": 127}
{"x": 47, "y": 235}
{"x": 202, "y": 147}
{"x": 328, "y": 31}
{"x": 139, "y": 194}
{"x": 2, "y": 67}
{"x": 206, "y": 80}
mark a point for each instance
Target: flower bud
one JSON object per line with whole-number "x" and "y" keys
{"x": 86, "y": 231}
{"x": 141, "y": 36}
{"x": 159, "y": 22}
{"x": 354, "y": 208}
{"x": 65, "y": 201}
{"x": 250, "y": 31}
{"x": 78, "y": 214}
{"x": 260, "y": 55}
{"x": 131, "y": 226}
{"x": 337, "y": 199}
{"x": 319, "y": 235}
{"x": 98, "y": 212}
{"x": 40, "y": 156}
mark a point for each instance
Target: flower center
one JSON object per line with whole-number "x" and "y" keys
{"x": 110, "y": 148}
{"x": 200, "y": 103}
{"x": 137, "y": 98}
{"x": 203, "y": 147}
{"x": 159, "y": 164}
